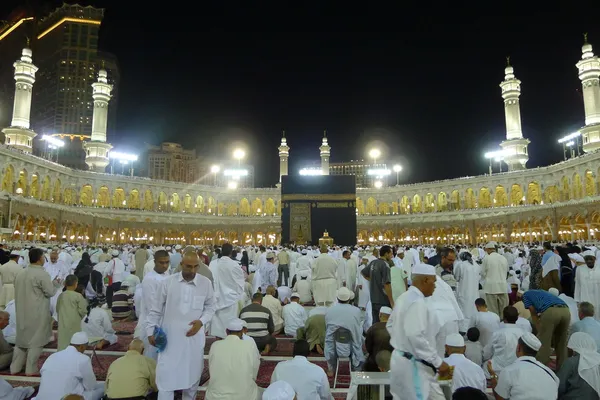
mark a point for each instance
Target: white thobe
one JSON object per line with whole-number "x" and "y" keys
{"x": 148, "y": 267}
{"x": 302, "y": 287}
{"x": 324, "y": 282}
{"x": 116, "y": 269}
{"x": 56, "y": 270}
{"x": 233, "y": 366}
{"x": 466, "y": 373}
{"x": 99, "y": 326}
{"x": 572, "y": 304}
{"x": 284, "y": 293}
{"x": 467, "y": 277}
{"x": 587, "y": 287}
{"x": 522, "y": 323}
{"x": 268, "y": 276}
{"x": 308, "y": 380}
{"x": 502, "y": 349}
{"x": 487, "y": 322}
{"x": 364, "y": 294}
{"x": 304, "y": 263}
{"x": 494, "y": 270}
{"x": 69, "y": 372}
{"x": 150, "y": 288}
{"x": 410, "y": 333}
{"x": 229, "y": 288}
{"x": 274, "y": 305}
{"x": 64, "y": 257}
{"x": 294, "y": 317}
{"x": 178, "y": 303}
{"x": 346, "y": 272}
{"x": 444, "y": 312}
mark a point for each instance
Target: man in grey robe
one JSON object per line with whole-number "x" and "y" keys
{"x": 33, "y": 290}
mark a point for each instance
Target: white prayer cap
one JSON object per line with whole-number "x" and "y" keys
{"x": 304, "y": 251}
{"x": 344, "y": 294}
{"x": 491, "y": 245}
{"x": 235, "y": 325}
{"x": 294, "y": 295}
{"x": 423, "y": 269}
{"x": 80, "y": 338}
{"x": 270, "y": 254}
{"x": 553, "y": 291}
{"x": 455, "y": 340}
{"x": 400, "y": 251}
{"x": 303, "y": 273}
{"x": 531, "y": 341}
{"x": 168, "y": 248}
{"x": 576, "y": 257}
{"x": 280, "y": 390}
{"x": 385, "y": 310}
{"x": 588, "y": 253}
{"x": 15, "y": 253}
{"x": 115, "y": 253}
{"x": 244, "y": 324}
{"x": 178, "y": 247}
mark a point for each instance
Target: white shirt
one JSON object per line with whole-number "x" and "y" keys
{"x": 274, "y": 305}
{"x": 64, "y": 257}
{"x": 178, "y": 303}
{"x": 521, "y": 323}
{"x": 487, "y": 322}
{"x": 494, "y": 270}
{"x": 229, "y": 282}
{"x": 308, "y": 380}
{"x": 150, "y": 288}
{"x": 148, "y": 267}
{"x": 66, "y": 372}
{"x": 284, "y": 293}
{"x": 98, "y": 325}
{"x": 268, "y": 276}
{"x": 233, "y": 367}
{"x": 294, "y": 317}
{"x": 101, "y": 267}
{"x": 502, "y": 349}
{"x": 302, "y": 286}
{"x": 466, "y": 373}
{"x": 527, "y": 379}
{"x": 11, "y": 328}
{"x": 116, "y": 269}
{"x": 587, "y": 287}
{"x": 57, "y": 270}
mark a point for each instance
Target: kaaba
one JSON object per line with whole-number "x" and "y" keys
{"x": 313, "y": 205}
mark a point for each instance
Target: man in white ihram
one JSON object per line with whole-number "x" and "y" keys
{"x": 185, "y": 303}
{"x": 415, "y": 359}
{"x": 229, "y": 288}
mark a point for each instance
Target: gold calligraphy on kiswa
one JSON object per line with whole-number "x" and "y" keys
{"x": 333, "y": 205}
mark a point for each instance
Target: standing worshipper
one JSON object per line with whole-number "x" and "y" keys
{"x": 347, "y": 268}
{"x": 115, "y": 272}
{"x": 580, "y": 374}
{"x": 324, "y": 281}
{"x": 8, "y": 273}
{"x": 141, "y": 256}
{"x": 550, "y": 269}
{"x": 587, "y": 284}
{"x": 268, "y": 272}
{"x": 150, "y": 288}
{"x": 378, "y": 275}
{"x": 415, "y": 359}
{"x": 535, "y": 267}
{"x": 283, "y": 269}
{"x": 495, "y": 270}
{"x": 229, "y": 289}
{"x": 70, "y": 307}
{"x": 33, "y": 290}
{"x": 185, "y": 303}
{"x": 467, "y": 275}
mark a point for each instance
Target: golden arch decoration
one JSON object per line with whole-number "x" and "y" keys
{"x": 118, "y": 200}
{"x": 442, "y": 201}
{"x": 565, "y": 189}
{"x": 455, "y": 200}
{"x": 133, "y": 200}
{"x": 384, "y": 208}
{"x": 163, "y": 202}
{"x": 416, "y": 204}
{"x": 516, "y": 195}
{"x": 69, "y": 197}
{"x": 404, "y": 205}
{"x": 22, "y": 183}
{"x": 103, "y": 197}
{"x": 187, "y": 203}
{"x": 86, "y": 196}
{"x": 211, "y": 206}
{"x": 8, "y": 179}
{"x": 577, "y": 187}
{"x": 551, "y": 195}
{"x": 232, "y": 209}
{"x": 244, "y": 207}
{"x": 35, "y": 187}
{"x": 200, "y": 204}
{"x": 175, "y": 202}
{"x": 500, "y": 197}
{"x": 270, "y": 206}
{"x": 534, "y": 193}
{"x": 590, "y": 184}
{"x": 470, "y": 199}
{"x": 429, "y": 203}
{"x": 371, "y": 208}
{"x": 148, "y": 201}
{"x": 360, "y": 206}
{"x": 485, "y": 198}
{"x": 257, "y": 207}
{"x": 46, "y": 189}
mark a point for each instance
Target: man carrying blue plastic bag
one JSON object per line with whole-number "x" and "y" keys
{"x": 185, "y": 303}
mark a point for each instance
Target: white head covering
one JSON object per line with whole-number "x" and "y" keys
{"x": 552, "y": 264}
{"x": 589, "y": 358}
{"x": 553, "y": 291}
{"x": 235, "y": 325}
{"x": 423, "y": 269}
{"x": 385, "y": 310}
{"x": 115, "y": 253}
{"x": 80, "y": 338}
{"x": 280, "y": 390}
{"x": 455, "y": 340}
{"x": 345, "y": 294}
{"x": 303, "y": 273}
{"x": 491, "y": 245}
{"x": 531, "y": 341}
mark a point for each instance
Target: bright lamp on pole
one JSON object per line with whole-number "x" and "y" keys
{"x": 239, "y": 154}
{"x": 397, "y": 168}
{"x": 215, "y": 170}
{"x": 374, "y": 154}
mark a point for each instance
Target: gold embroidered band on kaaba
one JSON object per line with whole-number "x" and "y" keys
{"x": 319, "y": 197}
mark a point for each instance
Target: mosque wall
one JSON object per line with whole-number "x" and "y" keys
{"x": 44, "y": 200}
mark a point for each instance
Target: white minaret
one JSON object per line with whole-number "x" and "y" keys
{"x": 589, "y": 71}
{"x": 325, "y": 150}
{"x": 515, "y": 144}
{"x": 18, "y": 134}
{"x": 97, "y": 149}
{"x": 284, "y": 154}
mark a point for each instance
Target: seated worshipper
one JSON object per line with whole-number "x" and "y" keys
{"x": 10, "y": 331}
{"x": 271, "y": 302}
{"x": 70, "y": 308}
{"x": 122, "y": 302}
{"x": 343, "y": 335}
{"x": 587, "y": 323}
{"x": 294, "y": 316}
{"x": 527, "y": 378}
{"x": 314, "y": 332}
{"x": 260, "y": 324}
{"x": 486, "y": 321}
{"x": 70, "y": 372}
{"x": 580, "y": 374}
{"x": 466, "y": 372}
{"x": 96, "y": 324}
{"x": 521, "y": 322}
{"x": 302, "y": 287}
{"x": 501, "y": 350}
{"x": 283, "y": 294}
{"x": 552, "y": 318}
{"x": 132, "y": 376}
{"x": 308, "y": 380}
{"x": 6, "y": 350}
{"x": 233, "y": 366}
{"x": 7, "y": 392}
{"x": 133, "y": 281}
{"x": 280, "y": 390}
{"x": 474, "y": 349}
{"x": 377, "y": 339}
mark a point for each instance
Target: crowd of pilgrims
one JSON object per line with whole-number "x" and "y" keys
{"x": 521, "y": 320}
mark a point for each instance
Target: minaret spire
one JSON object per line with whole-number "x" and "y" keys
{"x": 589, "y": 73}
{"x": 284, "y": 154}
{"x": 97, "y": 149}
{"x": 515, "y": 144}
{"x": 325, "y": 151}
{"x": 19, "y": 133}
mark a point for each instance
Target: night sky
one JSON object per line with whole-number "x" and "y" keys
{"x": 423, "y": 81}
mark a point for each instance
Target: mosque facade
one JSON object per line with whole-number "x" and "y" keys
{"x": 42, "y": 200}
